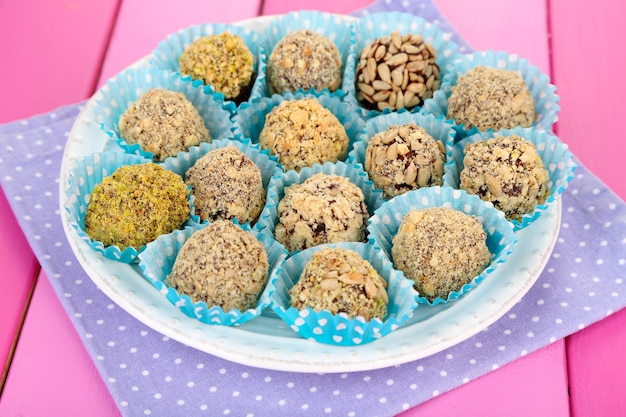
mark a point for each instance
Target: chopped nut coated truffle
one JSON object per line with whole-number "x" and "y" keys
{"x": 404, "y": 158}
{"x": 397, "y": 72}
{"x": 323, "y": 209}
{"x": 340, "y": 281}
{"x": 507, "y": 171}
{"x": 302, "y": 133}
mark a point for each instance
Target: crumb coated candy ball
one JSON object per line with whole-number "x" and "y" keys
{"x": 304, "y": 59}
{"x": 221, "y": 265}
{"x": 163, "y": 122}
{"x": 135, "y": 205}
{"x": 302, "y": 133}
{"x": 224, "y": 61}
{"x": 403, "y": 158}
{"x": 508, "y": 171}
{"x": 397, "y": 72}
{"x": 323, "y": 209}
{"x": 491, "y": 98}
{"x": 340, "y": 281}
{"x": 226, "y": 185}
{"x": 440, "y": 249}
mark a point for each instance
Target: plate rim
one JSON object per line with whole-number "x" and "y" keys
{"x": 295, "y": 354}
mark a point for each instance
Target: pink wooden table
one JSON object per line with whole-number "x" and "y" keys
{"x": 73, "y": 47}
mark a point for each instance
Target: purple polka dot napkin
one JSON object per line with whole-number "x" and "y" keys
{"x": 149, "y": 374}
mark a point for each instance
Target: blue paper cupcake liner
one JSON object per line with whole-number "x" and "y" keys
{"x": 166, "y": 54}
{"x": 337, "y": 28}
{"x": 555, "y": 155}
{"x": 268, "y": 164}
{"x": 377, "y": 25}
{"x": 82, "y": 179}
{"x": 438, "y": 128}
{"x": 501, "y": 238}
{"x": 538, "y": 83}
{"x": 157, "y": 261}
{"x": 249, "y": 120}
{"x": 353, "y": 172}
{"x": 118, "y": 94}
{"x": 338, "y": 329}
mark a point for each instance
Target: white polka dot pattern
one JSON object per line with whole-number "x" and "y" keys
{"x": 149, "y": 374}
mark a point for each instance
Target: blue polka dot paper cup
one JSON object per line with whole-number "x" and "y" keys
{"x": 556, "y": 157}
{"x": 249, "y": 120}
{"x": 267, "y": 164}
{"x": 337, "y": 28}
{"x": 538, "y": 83}
{"x": 501, "y": 239}
{"x": 157, "y": 261}
{"x": 83, "y": 177}
{"x": 167, "y": 53}
{"x": 380, "y": 25}
{"x": 120, "y": 92}
{"x": 338, "y": 329}
{"x": 438, "y": 128}
{"x": 269, "y": 217}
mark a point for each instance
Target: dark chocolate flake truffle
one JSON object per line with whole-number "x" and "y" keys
{"x": 440, "y": 249}
{"x": 226, "y": 185}
{"x": 163, "y": 122}
{"x": 222, "y": 265}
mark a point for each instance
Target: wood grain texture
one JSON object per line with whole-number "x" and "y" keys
{"x": 141, "y": 25}
{"x": 592, "y": 93}
{"x": 534, "y": 385}
{"x": 590, "y": 119}
{"x": 52, "y": 373}
{"x": 62, "y": 374}
{"x": 518, "y": 27}
{"x": 50, "y": 53}
{"x": 271, "y": 7}
{"x": 19, "y": 273}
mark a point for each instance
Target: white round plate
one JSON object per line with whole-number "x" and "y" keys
{"x": 267, "y": 342}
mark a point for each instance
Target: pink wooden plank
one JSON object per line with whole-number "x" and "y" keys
{"x": 50, "y": 52}
{"x": 534, "y": 385}
{"x": 19, "y": 270}
{"x": 271, "y": 7}
{"x": 518, "y": 27}
{"x": 591, "y": 94}
{"x": 589, "y": 122}
{"x": 596, "y": 367}
{"x": 52, "y": 373}
{"x": 141, "y": 26}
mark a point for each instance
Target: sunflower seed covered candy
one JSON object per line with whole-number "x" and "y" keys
{"x": 396, "y": 72}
